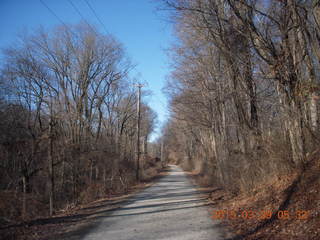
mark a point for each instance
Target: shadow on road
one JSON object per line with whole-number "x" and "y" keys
{"x": 171, "y": 193}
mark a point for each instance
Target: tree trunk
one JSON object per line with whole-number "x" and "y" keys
{"x": 295, "y": 134}
{"x": 24, "y": 200}
{"x": 314, "y": 112}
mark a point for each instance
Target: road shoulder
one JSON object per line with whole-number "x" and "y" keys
{"x": 76, "y": 221}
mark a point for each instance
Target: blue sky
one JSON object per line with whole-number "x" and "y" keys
{"x": 136, "y": 23}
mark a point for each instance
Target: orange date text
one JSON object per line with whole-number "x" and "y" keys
{"x": 261, "y": 214}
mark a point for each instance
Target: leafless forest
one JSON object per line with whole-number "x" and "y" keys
{"x": 68, "y": 121}
{"x": 244, "y": 90}
{"x": 244, "y": 98}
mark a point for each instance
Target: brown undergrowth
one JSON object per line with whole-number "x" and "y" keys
{"x": 76, "y": 219}
{"x": 295, "y": 193}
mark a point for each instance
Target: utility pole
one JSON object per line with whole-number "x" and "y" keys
{"x": 51, "y": 167}
{"x": 161, "y": 152}
{"x": 139, "y": 86}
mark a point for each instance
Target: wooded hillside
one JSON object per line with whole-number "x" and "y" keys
{"x": 68, "y": 121}
{"x": 244, "y": 90}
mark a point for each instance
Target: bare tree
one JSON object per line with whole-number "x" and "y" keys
{"x": 242, "y": 78}
{"x": 73, "y": 95}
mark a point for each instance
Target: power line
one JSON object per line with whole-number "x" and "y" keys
{"x": 96, "y": 15}
{"x": 52, "y": 12}
{"x": 63, "y": 23}
{"x": 78, "y": 11}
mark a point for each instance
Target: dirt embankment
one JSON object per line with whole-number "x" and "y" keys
{"x": 283, "y": 208}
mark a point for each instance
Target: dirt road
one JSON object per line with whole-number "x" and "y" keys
{"x": 172, "y": 208}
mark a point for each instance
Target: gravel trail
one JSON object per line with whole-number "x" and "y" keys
{"x": 171, "y": 208}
